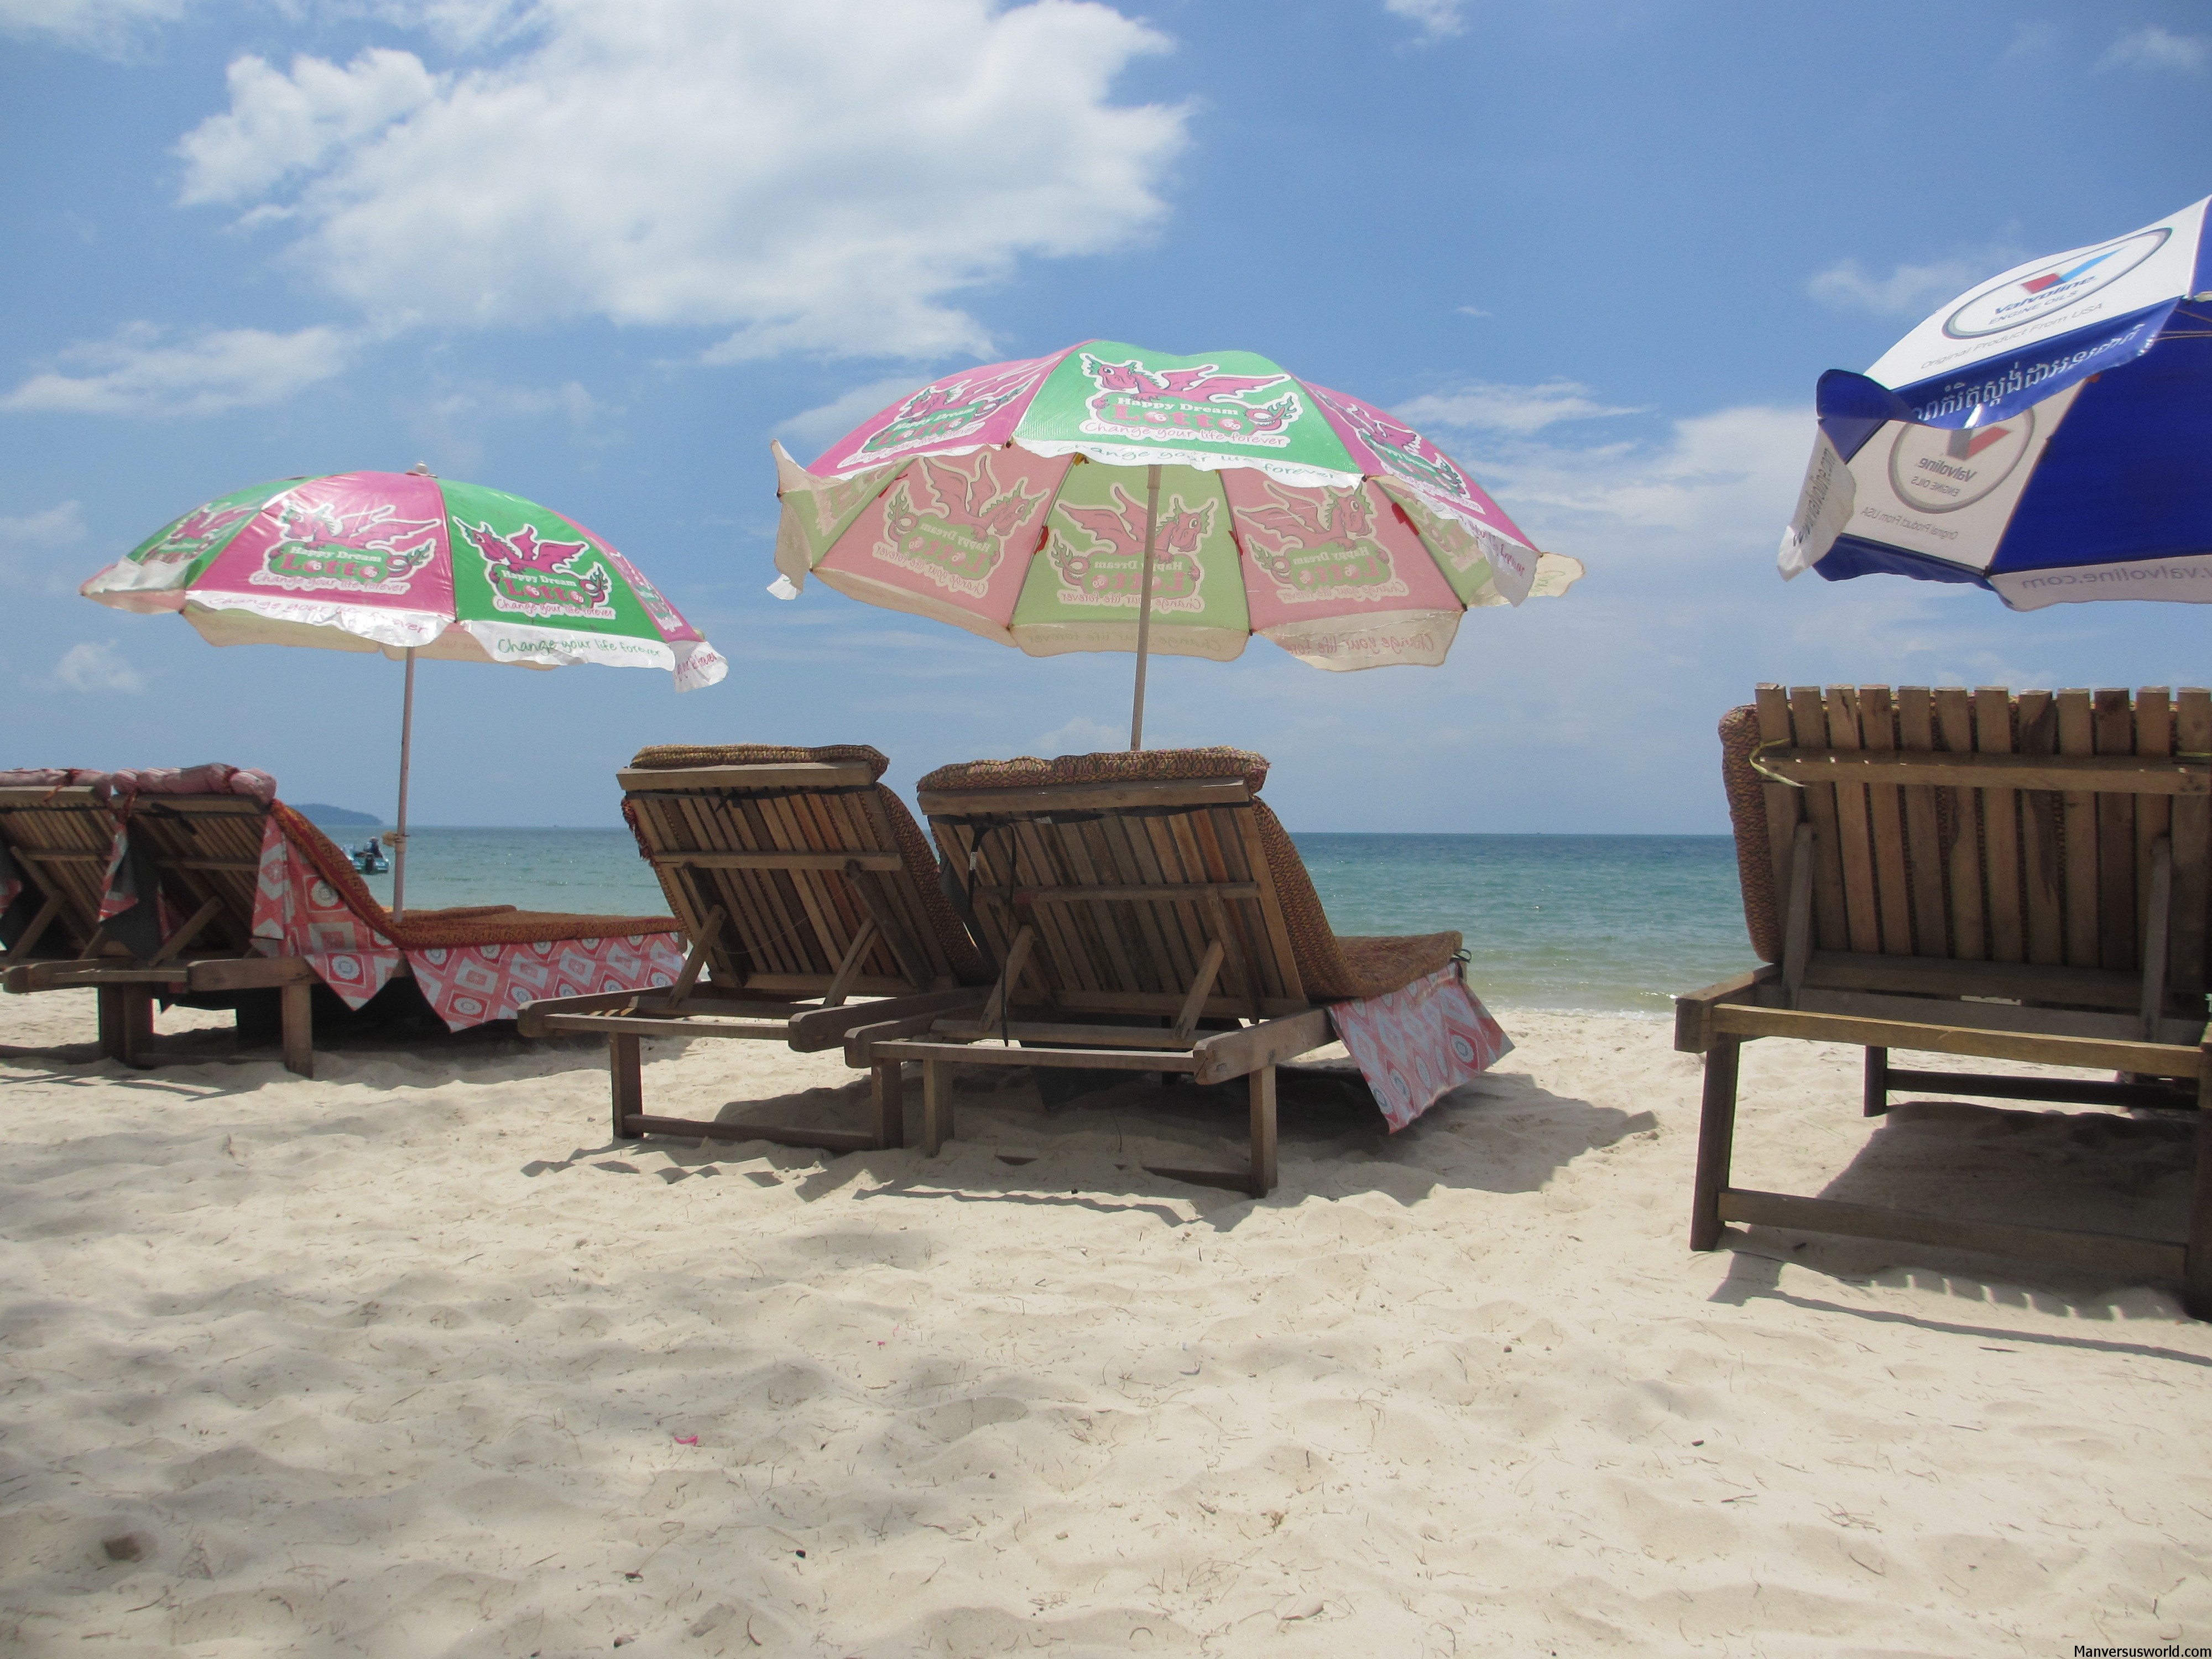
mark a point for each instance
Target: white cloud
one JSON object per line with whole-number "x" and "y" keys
{"x": 136, "y": 373}
{"x": 2153, "y": 48}
{"x": 1484, "y": 406}
{"x": 1436, "y": 18}
{"x": 1717, "y": 485}
{"x": 817, "y": 427}
{"x": 1472, "y": 311}
{"x": 816, "y": 178}
{"x": 281, "y": 123}
{"x": 105, "y": 26}
{"x": 1083, "y": 736}
{"x": 97, "y": 667}
{"x": 57, "y": 526}
{"x": 1906, "y": 291}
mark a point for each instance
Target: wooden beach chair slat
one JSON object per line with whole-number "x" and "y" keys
{"x": 2193, "y": 850}
{"x": 1808, "y": 720}
{"x": 1962, "y": 831}
{"x": 1278, "y": 973}
{"x": 2153, "y": 814}
{"x": 2059, "y": 915}
{"x": 1862, "y": 911}
{"x": 1785, "y": 806}
{"x": 1993, "y": 735}
{"x": 2039, "y": 837}
{"x": 1923, "y": 825}
{"x": 2077, "y": 737}
{"x": 1885, "y": 822}
{"x": 2116, "y": 838}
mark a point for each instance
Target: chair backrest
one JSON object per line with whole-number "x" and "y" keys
{"x": 2069, "y": 832}
{"x": 60, "y": 837}
{"x": 1130, "y": 874}
{"x": 207, "y": 849}
{"x": 820, "y": 875}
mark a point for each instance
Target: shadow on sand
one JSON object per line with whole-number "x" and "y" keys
{"x": 1501, "y": 1133}
{"x": 2084, "y": 1170}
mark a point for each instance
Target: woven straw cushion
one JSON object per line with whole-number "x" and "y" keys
{"x": 1746, "y": 799}
{"x": 914, "y": 847}
{"x": 430, "y": 930}
{"x": 1333, "y": 969}
{"x": 1341, "y": 967}
{"x": 669, "y": 757}
{"x": 1117, "y": 766}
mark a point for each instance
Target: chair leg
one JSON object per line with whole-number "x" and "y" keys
{"x": 136, "y": 1025}
{"x": 887, "y": 1096}
{"x": 297, "y": 1004}
{"x": 936, "y": 1106}
{"x": 110, "y": 1001}
{"x": 2197, "y": 1259}
{"x": 1262, "y": 1085}
{"x": 627, "y": 1078}
{"x": 1877, "y": 1083}
{"x": 1716, "y": 1141}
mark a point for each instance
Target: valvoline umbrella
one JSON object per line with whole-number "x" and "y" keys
{"x": 2046, "y": 436}
{"x": 408, "y": 564}
{"x": 1112, "y": 498}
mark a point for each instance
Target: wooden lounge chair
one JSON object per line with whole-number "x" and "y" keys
{"x": 2020, "y": 879}
{"x": 199, "y": 855}
{"x": 1150, "y": 915}
{"x": 801, "y": 882}
{"x": 194, "y": 853}
{"x": 57, "y": 834}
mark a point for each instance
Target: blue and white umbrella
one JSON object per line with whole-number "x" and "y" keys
{"x": 2046, "y": 436}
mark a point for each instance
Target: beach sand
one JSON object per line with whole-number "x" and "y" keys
{"x": 412, "y": 1361}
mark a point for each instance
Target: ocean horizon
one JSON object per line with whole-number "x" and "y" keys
{"x": 1598, "y": 924}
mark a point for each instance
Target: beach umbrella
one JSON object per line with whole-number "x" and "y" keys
{"x": 2045, "y": 436}
{"x": 410, "y": 565}
{"x": 1042, "y": 503}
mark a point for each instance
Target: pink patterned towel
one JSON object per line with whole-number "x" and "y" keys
{"x": 212, "y": 779}
{"x": 1416, "y": 1045}
{"x": 297, "y": 913}
{"x": 56, "y": 777}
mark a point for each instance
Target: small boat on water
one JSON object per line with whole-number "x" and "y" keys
{"x": 369, "y": 857}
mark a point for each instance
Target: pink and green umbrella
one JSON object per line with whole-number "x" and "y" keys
{"x": 410, "y": 565}
{"x": 1040, "y": 503}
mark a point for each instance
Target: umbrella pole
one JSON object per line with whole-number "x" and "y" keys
{"x": 399, "y": 835}
{"x": 1144, "y": 606}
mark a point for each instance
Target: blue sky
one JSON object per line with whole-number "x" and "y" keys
{"x": 598, "y": 253}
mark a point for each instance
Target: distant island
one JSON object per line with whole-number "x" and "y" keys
{"x": 338, "y": 817}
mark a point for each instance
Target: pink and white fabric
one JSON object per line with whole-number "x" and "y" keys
{"x": 297, "y": 913}
{"x": 472, "y": 983}
{"x": 1416, "y": 1045}
{"x": 212, "y": 779}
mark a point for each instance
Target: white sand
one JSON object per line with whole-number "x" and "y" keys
{"x": 408, "y": 1360}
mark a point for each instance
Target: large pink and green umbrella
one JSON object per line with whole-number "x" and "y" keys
{"x": 1037, "y": 502}
{"x": 410, "y": 565}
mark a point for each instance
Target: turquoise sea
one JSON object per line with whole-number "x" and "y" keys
{"x": 1605, "y": 923}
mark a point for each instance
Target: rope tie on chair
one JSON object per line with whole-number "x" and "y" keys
{"x": 1759, "y": 765}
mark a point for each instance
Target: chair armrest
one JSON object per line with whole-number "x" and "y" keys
{"x": 1693, "y": 1012}
{"x": 825, "y": 1028}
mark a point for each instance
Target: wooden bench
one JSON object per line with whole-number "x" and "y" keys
{"x": 801, "y": 882}
{"x": 1979, "y": 875}
{"x": 201, "y": 854}
{"x": 1148, "y": 916}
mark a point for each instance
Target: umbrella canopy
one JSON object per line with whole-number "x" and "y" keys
{"x": 408, "y": 564}
{"x": 401, "y": 561}
{"x": 1036, "y": 502}
{"x": 2044, "y": 436}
